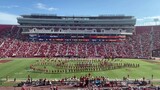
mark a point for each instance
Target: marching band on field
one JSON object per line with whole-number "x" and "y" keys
{"x": 67, "y": 65}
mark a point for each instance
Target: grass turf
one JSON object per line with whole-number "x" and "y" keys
{"x": 19, "y": 68}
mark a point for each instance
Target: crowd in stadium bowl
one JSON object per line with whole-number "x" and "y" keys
{"x": 139, "y": 45}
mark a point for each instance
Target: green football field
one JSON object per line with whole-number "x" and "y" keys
{"x": 19, "y": 68}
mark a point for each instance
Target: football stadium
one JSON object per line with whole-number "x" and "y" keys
{"x": 68, "y": 50}
{"x": 78, "y": 52}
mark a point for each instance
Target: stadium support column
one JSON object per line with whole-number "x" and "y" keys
{"x": 49, "y": 48}
{"x": 115, "y": 51}
{"x": 96, "y": 54}
{"x": 133, "y": 50}
{"x": 10, "y": 46}
{"x": 58, "y": 46}
{"x": 124, "y": 49}
{"x": 151, "y": 40}
{"x": 38, "y": 51}
{"x": 68, "y": 44}
{"x": 12, "y": 30}
{"x": 28, "y": 49}
{"x": 86, "y": 49}
{"x": 141, "y": 46}
{"x": 18, "y": 49}
{"x": 105, "y": 49}
{"x": 76, "y": 49}
{"x": 2, "y": 44}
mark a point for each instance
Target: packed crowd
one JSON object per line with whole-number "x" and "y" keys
{"x": 139, "y": 45}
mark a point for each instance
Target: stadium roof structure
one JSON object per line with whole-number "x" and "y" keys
{"x": 49, "y": 16}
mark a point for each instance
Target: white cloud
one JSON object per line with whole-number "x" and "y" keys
{"x": 150, "y": 23}
{"x": 139, "y": 19}
{"x": 148, "y": 20}
{"x": 45, "y": 7}
{"x": 152, "y": 17}
{"x": 6, "y": 18}
{"x": 11, "y": 6}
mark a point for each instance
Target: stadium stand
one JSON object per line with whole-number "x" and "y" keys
{"x": 139, "y": 45}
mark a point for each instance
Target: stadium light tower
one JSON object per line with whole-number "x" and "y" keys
{"x": 156, "y": 20}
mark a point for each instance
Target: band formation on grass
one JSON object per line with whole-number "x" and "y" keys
{"x": 66, "y": 65}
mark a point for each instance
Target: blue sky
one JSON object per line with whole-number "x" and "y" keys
{"x": 144, "y": 10}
